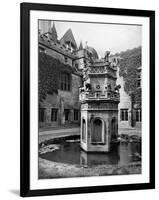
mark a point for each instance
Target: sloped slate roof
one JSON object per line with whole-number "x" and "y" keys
{"x": 68, "y": 36}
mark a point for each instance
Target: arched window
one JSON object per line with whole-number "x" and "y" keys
{"x": 97, "y": 131}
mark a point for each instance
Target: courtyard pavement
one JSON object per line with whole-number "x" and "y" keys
{"x": 49, "y": 134}
{"x": 60, "y": 132}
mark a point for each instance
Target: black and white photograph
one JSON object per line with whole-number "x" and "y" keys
{"x": 89, "y": 99}
{"x": 79, "y": 112}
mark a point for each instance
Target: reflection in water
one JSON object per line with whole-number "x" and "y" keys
{"x": 71, "y": 153}
{"x": 98, "y": 158}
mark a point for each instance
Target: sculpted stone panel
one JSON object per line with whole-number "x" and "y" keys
{"x": 100, "y": 106}
{"x": 84, "y": 106}
{"x": 102, "y": 70}
{"x": 106, "y": 106}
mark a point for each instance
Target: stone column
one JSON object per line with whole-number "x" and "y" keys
{"x": 79, "y": 117}
{"x": 61, "y": 112}
{"x": 108, "y": 132}
{"x": 133, "y": 118}
{"x": 130, "y": 117}
{"x": 48, "y": 115}
{"x": 71, "y": 115}
{"x": 116, "y": 126}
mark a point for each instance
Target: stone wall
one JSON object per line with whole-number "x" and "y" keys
{"x": 71, "y": 98}
{"x": 57, "y": 55}
{"x": 80, "y": 60}
{"x": 63, "y": 100}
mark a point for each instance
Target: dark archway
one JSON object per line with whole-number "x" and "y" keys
{"x": 113, "y": 128}
{"x": 97, "y": 131}
{"x": 83, "y": 130}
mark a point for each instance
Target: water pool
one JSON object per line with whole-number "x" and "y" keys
{"x": 71, "y": 153}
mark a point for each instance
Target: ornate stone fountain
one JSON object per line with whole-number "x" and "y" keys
{"x": 99, "y": 105}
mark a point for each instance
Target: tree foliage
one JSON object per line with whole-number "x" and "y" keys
{"x": 49, "y": 71}
{"x": 129, "y": 63}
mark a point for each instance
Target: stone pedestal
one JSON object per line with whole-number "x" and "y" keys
{"x": 98, "y": 125}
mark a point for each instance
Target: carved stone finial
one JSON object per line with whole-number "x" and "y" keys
{"x": 90, "y": 56}
{"x": 117, "y": 88}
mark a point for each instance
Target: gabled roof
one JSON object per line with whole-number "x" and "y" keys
{"x": 68, "y": 37}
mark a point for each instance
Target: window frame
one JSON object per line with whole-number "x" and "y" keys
{"x": 65, "y": 81}
{"x": 139, "y": 113}
{"x": 124, "y": 114}
{"x": 68, "y": 113}
{"x": 55, "y": 114}
{"x": 42, "y": 110}
{"x": 76, "y": 114}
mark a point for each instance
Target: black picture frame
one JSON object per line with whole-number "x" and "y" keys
{"x": 25, "y": 9}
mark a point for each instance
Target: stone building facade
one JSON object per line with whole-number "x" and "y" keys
{"x": 125, "y": 105}
{"x": 130, "y": 113}
{"x": 64, "y": 107}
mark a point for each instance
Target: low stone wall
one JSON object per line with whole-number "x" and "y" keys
{"x": 48, "y": 169}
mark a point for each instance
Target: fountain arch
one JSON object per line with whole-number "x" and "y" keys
{"x": 97, "y": 133}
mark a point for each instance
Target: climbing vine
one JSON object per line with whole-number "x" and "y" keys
{"x": 129, "y": 63}
{"x": 49, "y": 70}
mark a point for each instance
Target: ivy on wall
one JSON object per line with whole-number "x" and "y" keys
{"x": 129, "y": 63}
{"x": 49, "y": 71}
